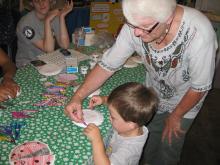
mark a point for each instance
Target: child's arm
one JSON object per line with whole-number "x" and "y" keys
{"x": 99, "y": 155}
{"x": 63, "y": 39}
{"x": 97, "y": 100}
{"x": 104, "y": 99}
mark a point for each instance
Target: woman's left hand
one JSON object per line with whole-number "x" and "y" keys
{"x": 172, "y": 127}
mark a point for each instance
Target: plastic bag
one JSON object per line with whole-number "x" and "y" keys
{"x": 103, "y": 40}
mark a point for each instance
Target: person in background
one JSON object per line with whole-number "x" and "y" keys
{"x": 130, "y": 105}
{"x": 41, "y": 30}
{"x": 178, "y": 46}
{"x": 8, "y": 87}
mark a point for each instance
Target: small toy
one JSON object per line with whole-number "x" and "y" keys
{"x": 95, "y": 57}
{"x": 84, "y": 70}
{"x": 92, "y": 64}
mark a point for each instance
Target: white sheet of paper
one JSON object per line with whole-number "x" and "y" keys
{"x": 50, "y": 69}
{"x": 90, "y": 116}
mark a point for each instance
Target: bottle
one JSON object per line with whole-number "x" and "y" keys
{"x": 71, "y": 64}
{"x": 81, "y": 37}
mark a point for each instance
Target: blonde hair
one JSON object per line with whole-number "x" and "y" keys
{"x": 159, "y": 10}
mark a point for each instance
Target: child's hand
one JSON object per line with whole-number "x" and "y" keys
{"x": 94, "y": 101}
{"x": 93, "y": 133}
{"x": 66, "y": 9}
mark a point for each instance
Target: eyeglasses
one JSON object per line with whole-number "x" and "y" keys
{"x": 144, "y": 30}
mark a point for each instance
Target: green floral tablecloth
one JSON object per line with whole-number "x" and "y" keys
{"x": 66, "y": 140}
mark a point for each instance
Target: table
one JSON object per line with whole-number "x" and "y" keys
{"x": 66, "y": 140}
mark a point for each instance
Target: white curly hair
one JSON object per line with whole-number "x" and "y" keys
{"x": 159, "y": 10}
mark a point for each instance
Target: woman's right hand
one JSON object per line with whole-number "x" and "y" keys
{"x": 74, "y": 110}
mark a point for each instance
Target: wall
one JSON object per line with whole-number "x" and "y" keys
{"x": 216, "y": 84}
{"x": 213, "y": 9}
{"x": 208, "y": 5}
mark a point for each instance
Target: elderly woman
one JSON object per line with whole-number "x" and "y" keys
{"x": 178, "y": 47}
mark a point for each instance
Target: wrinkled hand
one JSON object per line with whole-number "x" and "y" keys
{"x": 66, "y": 9}
{"x": 93, "y": 133}
{"x": 8, "y": 89}
{"x": 172, "y": 128}
{"x": 74, "y": 110}
{"x": 94, "y": 101}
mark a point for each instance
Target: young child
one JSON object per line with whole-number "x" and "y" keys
{"x": 41, "y": 30}
{"x": 131, "y": 106}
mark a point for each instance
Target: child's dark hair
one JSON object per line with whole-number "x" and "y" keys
{"x": 134, "y": 102}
